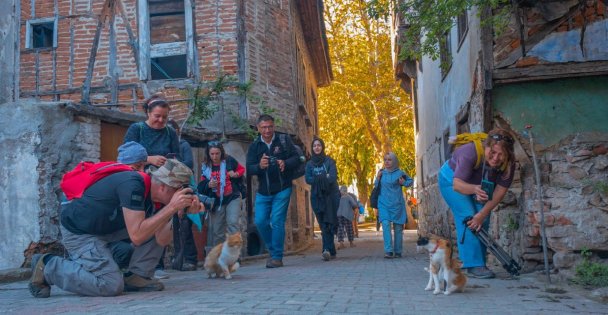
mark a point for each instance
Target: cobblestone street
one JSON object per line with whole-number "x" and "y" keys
{"x": 359, "y": 281}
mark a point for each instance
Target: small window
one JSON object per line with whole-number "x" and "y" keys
{"x": 463, "y": 27}
{"x": 167, "y": 21}
{"x": 41, "y": 33}
{"x": 447, "y": 147}
{"x": 445, "y": 53}
{"x": 170, "y": 67}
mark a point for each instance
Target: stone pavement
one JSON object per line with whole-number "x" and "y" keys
{"x": 359, "y": 281}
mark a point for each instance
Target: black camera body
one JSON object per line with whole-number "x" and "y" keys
{"x": 272, "y": 160}
{"x": 208, "y": 202}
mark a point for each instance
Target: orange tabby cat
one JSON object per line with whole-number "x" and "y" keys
{"x": 441, "y": 267}
{"x": 223, "y": 258}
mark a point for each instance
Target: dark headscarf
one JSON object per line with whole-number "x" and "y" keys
{"x": 318, "y": 159}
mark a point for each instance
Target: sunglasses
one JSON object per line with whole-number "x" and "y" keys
{"x": 498, "y": 137}
{"x": 214, "y": 144}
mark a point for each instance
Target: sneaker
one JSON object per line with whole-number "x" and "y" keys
{"x": 352, "y": 244}
{"x": 188, "y": 267}
{"x": 397, "y": 255}
{"x": 480, "y": 273}
{"x": 136, "y": 283}
{"x": 326, "y": 255}
{"x": 161, "y": 274}
{"x": 388, "y": 255}
{"x": 39, "y": 288}
{"x": 274, "y": 263}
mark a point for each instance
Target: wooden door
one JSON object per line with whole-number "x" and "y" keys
{"x": 112, "y": 136}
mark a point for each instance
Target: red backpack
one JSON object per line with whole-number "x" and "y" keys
{"x": 87, "y": 173}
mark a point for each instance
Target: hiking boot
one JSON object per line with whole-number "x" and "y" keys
{"x": 161, "y": 274}
{"x": 388, "y": 255}
{"x": 188, "y": 267}
{"x": 274, "y": 263}
{"x": 39, "y": 288}
{"x": 480, "y": 273}
{"x": 137, "y": 283}
{"x": 326, "y": 256}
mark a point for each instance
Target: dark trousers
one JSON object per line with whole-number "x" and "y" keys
{"x": 189, "y": 246}
{"x": 327, "y": 234}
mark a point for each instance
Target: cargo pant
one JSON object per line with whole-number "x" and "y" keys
{"x": 91, "y": 269}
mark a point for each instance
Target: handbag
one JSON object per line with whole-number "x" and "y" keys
{"x": 373, "y": 198}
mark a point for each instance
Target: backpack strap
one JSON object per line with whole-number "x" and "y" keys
{"x": 147, "y": 183}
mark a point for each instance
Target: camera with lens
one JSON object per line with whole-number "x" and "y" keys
{"x": 208, "y": 202}
{"x": 272, "y": 160}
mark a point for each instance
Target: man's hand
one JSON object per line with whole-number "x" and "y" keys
{"x": 264, "y": 161}
{"x": 281, "y": 164}
{"x": 181, "y": 199}
{"x": 157, "y": 160}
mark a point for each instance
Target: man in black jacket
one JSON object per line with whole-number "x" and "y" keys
{"x": 272, "y": 158}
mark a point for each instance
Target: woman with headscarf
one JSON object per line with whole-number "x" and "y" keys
{"x": 391, "y": 204}
{"x": 322, "y": 176}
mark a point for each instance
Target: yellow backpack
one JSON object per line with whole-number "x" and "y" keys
{"x": 477, "y": 138}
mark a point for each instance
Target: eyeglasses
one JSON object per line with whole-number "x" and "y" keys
{"x": 498, "y": 137}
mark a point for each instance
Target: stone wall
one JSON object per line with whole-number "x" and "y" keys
{"x": 38, "y": 152}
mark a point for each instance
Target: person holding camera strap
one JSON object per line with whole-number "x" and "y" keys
{"x": 391, "y": 204}
{"x": 475, "y": 191}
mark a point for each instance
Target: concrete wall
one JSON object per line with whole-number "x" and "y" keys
{"x": 9, "y": 20}
{"x": 35, "y": 155}
{"x": 439, "y": 102}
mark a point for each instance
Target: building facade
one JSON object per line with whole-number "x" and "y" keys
{"x": 547, "y": 69}
{"x": 94, "y": 62}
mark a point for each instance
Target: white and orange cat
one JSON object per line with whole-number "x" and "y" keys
{"x": 441, "y": 267}
{"x": 222, "y": 260}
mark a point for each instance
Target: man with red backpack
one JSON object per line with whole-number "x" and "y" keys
{"x": 113, "y": 208}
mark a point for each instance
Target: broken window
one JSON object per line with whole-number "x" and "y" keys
{"x": 166, "y": 39}
{"x": 41, "y": 33}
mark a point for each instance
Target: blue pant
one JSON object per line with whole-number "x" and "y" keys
{"x": 270, "y": 213}
{"x": 388, "y": 238}
{"x": 471, "y": 252}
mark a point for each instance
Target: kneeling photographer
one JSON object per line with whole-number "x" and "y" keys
{"x": 472, "y": 183}
{"x": 222, "y": 179}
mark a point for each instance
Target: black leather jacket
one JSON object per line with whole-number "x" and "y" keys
{"x": 272, "y": 180}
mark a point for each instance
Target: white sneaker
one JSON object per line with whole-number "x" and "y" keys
{"x": 161, "y": 274}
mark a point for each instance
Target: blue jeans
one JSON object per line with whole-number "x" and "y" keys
{"x": 471, "y": 252}
{"x": 388, "y": 238}
{"x": 270, "y": 213}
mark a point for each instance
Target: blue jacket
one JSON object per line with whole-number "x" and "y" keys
{"x": 391, "y": 204}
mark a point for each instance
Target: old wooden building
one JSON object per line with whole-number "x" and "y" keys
{"x": 79, "y": 70}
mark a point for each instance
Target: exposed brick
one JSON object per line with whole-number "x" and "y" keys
{"x": 526, "y": 62}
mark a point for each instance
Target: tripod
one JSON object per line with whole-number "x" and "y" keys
{"x": 508, "y": 263}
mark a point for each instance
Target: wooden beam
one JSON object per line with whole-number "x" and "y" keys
{"x": 550, "y": 71}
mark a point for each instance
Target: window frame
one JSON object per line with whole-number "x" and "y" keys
{"x": 147, "y": 50}
{"x": 445, "y": 53}
{"x": 462, "y": 33}
{"x": 29, "y": 32}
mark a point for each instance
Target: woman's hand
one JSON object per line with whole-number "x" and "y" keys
{"x": 477, "y": 222}
{"x": 157, "y": 160}
{"x": 233, "y": 174}
{"x": 213, "y": 183}
{"x": 480, "y": 194}
{"x": 401, "y": 181}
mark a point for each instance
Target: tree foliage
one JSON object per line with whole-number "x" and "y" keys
{"x": 428, "y": 20}
{"x": 363, "y": 113}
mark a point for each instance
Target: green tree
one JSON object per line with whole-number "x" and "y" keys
{"x": 363, "y": 113}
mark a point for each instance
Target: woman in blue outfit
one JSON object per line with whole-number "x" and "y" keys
{"x": 460, "y": 185}
{"x": 391, "y": 204}
{"x": 322, "y": 176}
